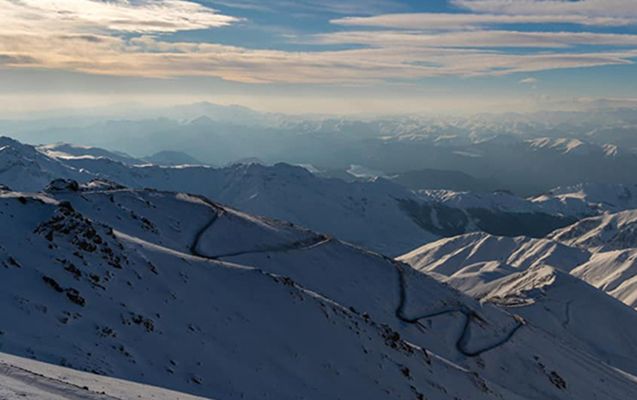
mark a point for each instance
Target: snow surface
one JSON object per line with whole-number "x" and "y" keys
{"x": 22, "y": 378}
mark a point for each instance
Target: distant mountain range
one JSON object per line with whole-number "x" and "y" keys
{"x": 524, "y": 154}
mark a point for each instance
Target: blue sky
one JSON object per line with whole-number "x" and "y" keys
{"x": 319, "y": 56}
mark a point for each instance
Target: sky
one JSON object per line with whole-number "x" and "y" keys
{"x": 330, "y": 56}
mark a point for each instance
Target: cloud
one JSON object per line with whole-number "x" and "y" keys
{"x": 13, "y": 60}
{"x": 588, "y": 8}
{"x": 475, "y": 39}
{"x": 456, "y": 21}
{"x": 347, "y": 7}
{"x": 529, "y": 81}
{"x": 148, "y": 56}
{"x": 143, "y": 16}
{"x": 128, "y": 38}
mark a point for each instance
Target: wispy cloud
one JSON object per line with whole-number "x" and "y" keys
{"x": 75, "y": 16}
{"x": 150, "y": 57}
{"x": 346, "y": 7}
{"x": 588, "y": 8}
{"x": 437, "y": 21}
{"x": 126, "y": 38}
{"x": 530, "y": 81}
{"x": 475, "y": 39}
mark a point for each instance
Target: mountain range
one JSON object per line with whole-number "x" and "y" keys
{"x": 376, "y": 213}
{"x": 525, "y": 154}
{"x": 121, "y": 277}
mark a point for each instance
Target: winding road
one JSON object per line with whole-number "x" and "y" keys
{"x": 469, "y": 315}
{"x": 195, "y": 244}
{"x": 318, "y": 240}
{"x": 305, "y": 244}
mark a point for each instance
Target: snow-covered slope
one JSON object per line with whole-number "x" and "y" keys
{"x": 71, "y": 295}
{"x": 588, "y": 199}
{"x": 600, "y": 250}
{"x": 615, "y": 272}
{"x": 613, "y": 240}
{"x": 582, "y": 200}
{"x": 23, "y": 167}
{"x": 603, "y": 233}
{"x": 173, "y": 290}
{"x": 568, "y": 307}
{"x": 66, "y": 151}
{"x": 572, "y": 146}
{"x": 23, "y": 378}
{"x": 532, "y": 277}
{"x": 450, "y": 255}
{"x": 500, "y": 201}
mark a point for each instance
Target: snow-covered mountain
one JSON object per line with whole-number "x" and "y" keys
{"x": 66, "y": 151}
{"x": 451, "y": 255}
{"x": 375, "y": 213}
{"x": 498, "y": 201}
{"x": 571, "y": 146}
{"x": 577, "y": 201}
{"x": 28, "y": 168}
{"x": 615, "y": 272}
{"x": 603, "y": 233}
{"x": 544, "y": 281}
{"x": 613, "y": 240}
{"x": 601, "y": 250}
{"x": 588, "y": 199}
{"x": 173, "y": 290}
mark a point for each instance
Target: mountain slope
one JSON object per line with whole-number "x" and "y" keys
{"x": 23, "y": 167}
{"x": 22, "y": 378}
{"x": 614, "y": 272}
{"x": 70, "y": 151}
{"x": 229, "y": 298}
{"x": 613, "y": 240}
{"x": 588, "y": 199}
{"x": 202, "y": 326}
{"x": 531, "y": 277}
{"x": 568, "y": 307}
{"x": 450, "y": 255}
{"x": 606, "y": 232}
{"x": 602, "y": 251}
